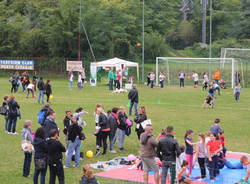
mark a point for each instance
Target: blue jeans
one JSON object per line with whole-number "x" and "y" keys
{"x": 23, "y": 85}
{"x": 161, "y": 82}
{"x": 217, "y": 81}
{"x": 42, "y": 177}
{"x": 112, "y": 142}
{"x": 237, "y": 96}
{"x": 41, "y": 94}
{"x": 12, "y": 123}
{"x": 70, "y": 85}
{"x": 130, "y": 108}
{"x": 165, "y": 166}
{"x": 121, "y": 137}
{"x": 152, "y": 83}
{"x": 6, "y": 124}
{"x": 73, "y": 146}
{"x": 110, "y": 84}
{"x": 26, "y": 164}
{"x": 218, "y": 89}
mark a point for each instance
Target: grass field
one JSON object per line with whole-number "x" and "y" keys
{"x": 181, "y": 108}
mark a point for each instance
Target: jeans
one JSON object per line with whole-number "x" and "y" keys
{"x": 73, "y": 146}
{"x": 118, "y": 85}
{"x": 102, "y": 140}
{"x": 70, "y": 84}
{"x": 23, "y": 85}
{"x": 112, "y": 141}
{"x": 12, "y": 123}
{"x": 201, "y": 162}
{"x": 217, "y": 81}
{"x": 47, "y": 94}
{"x": 213, "y": 167}
{"x": 28, "y": 92}
{"x": 42, "y": 177}
{"x": 189, "y": 159}
{"x": 161, "y": 82}
{"x": 26, "y": 164}
{"x": 6, "y": 124}
{"x": 121, "y": 137}
{"x": 165, "y": 166}
{"x": 182, "y": 82}
{"x": 41, "y": 94}
{"x": 218, "y": 89}
{"x": 56, "y": 169}
{"x": 237, "y": 96}
{"x": 14, "y": 88}
{"x": 131, "y": 106}
{"x": 152, "y": 83}
{"x": 110, "y": 84}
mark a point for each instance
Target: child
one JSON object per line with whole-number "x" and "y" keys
{"x": 182, "y": 176}
{"x": 196, "y": 79}
{"x": 237, "y": 90}
{"x": 162, "y": 78}
{"x": 201, "y": 155}
{"x": 152, "y": 78}
{"x": 181, "y": 158}
{"x": 222, "y": 139}
{"x": 182, "y": 77}
{"x": 189, "y": 149}
{"x": 205, "y": 81}
{"x": 27, "y": 138}
{"x": 161, "y": 135}
{"x": 88, "y": 177}
{"x": 209, "y": 102}
{"x": 78, "y": 116}
{"x": 244, "y": 160}
{"x": 211, "y": 90}
{"x": 30, "y": 88}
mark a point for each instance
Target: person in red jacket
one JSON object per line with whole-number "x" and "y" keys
{"x": 118, "y": 83}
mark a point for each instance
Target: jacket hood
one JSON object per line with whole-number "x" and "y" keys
{"x": 38, "y": 141}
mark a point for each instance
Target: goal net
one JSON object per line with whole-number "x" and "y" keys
{"x": 172, "y": 66}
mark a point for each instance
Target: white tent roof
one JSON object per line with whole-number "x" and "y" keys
{"x": 116, "y": 61}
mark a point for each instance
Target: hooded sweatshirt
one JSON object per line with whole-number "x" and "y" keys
{"x": 40, "y": 147}
{"x": 148, "y": 144}
{"x": 86, "y": 180}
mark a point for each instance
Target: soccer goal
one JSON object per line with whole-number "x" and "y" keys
{"x": 172, "y": 66}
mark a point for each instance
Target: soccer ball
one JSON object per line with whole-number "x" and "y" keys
{"x": 89, "y": 154}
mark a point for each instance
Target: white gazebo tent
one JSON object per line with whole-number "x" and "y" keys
{"x": 118, "y": 64}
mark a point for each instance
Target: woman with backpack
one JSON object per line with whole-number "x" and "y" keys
{"x": 6, "y": 107}
{"x": 40, "y": 157}
{"x": 48, "y": 89}
{"x": 139, "y": 119}
{"x": 14, "y": 112}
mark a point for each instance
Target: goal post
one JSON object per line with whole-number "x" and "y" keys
{"x": 171, "y": 66}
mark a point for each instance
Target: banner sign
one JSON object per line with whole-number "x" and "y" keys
{"x": 74, "y": 66}
{"x": 17, "y": 64}
{"x": 93, "y": 73}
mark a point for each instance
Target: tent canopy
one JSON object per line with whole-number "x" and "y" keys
{"x": 118, "y": 62}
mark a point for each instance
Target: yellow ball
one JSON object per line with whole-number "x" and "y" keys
{"x": 89, "y": 154}
{"x": 50, "y": 97}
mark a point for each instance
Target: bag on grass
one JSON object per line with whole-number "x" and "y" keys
{"x": 40, "y": 163}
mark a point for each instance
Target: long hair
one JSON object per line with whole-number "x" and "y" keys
{"x": 188, "y": 132}
{"x": 97, "y": 106}
{"x": 143, "y": 110}
{"x": 203, "y": 139}
{"x": 47, "y": 83}
{"x": 87, "y": 171}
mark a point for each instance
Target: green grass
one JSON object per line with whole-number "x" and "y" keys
{"x": 179, "y": 107}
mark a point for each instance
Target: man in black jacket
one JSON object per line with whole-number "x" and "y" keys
{"x": 55, "y": 149}
{"x": 167, "y": 151}
{"x": 41, "y": 89}
{"x": 133, "y": 97}
{"x": 50, "y": 123}
{"x": 67, "y": 123}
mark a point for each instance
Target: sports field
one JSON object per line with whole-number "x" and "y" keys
{"x": 181, "y": 108}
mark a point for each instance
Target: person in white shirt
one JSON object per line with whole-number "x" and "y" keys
{"x": 79, "y": 81}
{"x": 30, "y": 88}
{"x": 196, "y": 79}
{"x": 71, "y": 78}
{"x": 78, "y": 116}
{"x": 181, "y": 77}
{"x": 152, "y": 78}
{"x": 162, "y": 78}
{"x": 216, "y": 87}
{"x": 205, "y": 81}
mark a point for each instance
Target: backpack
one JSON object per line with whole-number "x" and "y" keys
{"x": 128, "y": 131}
{"x": 41, "y": 116}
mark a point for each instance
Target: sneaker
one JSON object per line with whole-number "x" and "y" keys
{"x": 201, "y": 179}
{"x": 212, "y": 181}
{"x": 104, "y": 153}
{"x": 112, "y": 151}
{"x": 15, "y": 133}
{"x": 121, "y": 149}
{"x": 97, "y": 152}
{"x": 9, "y": 133}
{"x": 65, "y": 167}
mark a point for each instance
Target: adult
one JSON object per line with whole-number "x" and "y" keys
{"x": 213, "y": 148}
{"x": 5, "y": 105}
{"x": 14, "y": 81}
{"x": 182, "y": 77}
{"x": 79, "y": 81}
{"x": 115, "y": 79}
{"x": 152, "y": 78}
{"x": 111, "y": 78}
{"x": 41, "y": 90}
{"x": 14, "y": 112}
{"x": 50, "y": 123}
{"x": 46, "y": 108}
{"x": 139, "y": 119}
{"x": 217, "y": 76}
{"x": 48, "y": 89}
{"x": 55, "y": 149}
{"x": 134, "y": 99}
{"x": 27, "y": 137}
{"x": 216, "y": 127}
{"x": 104, "y": 131}
{"x": 113, "y": 122}
{"x": 66, "y": 123}
{"x": 119, "y": 76}
{"x": 74, "y": 137}
{"x": 148, "y": 144}
{"x": 168, "y": 149}
{"x": 40, "y": 146}
{"x": 71, "y": 78}
{"x": 121, "y": 127}
{"x": 78, "y": 116}
{"x": 148, "y": 78}
{"x": 34, "y": 80}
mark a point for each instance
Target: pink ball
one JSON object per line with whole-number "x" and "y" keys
{"x": 131, "y": 157}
